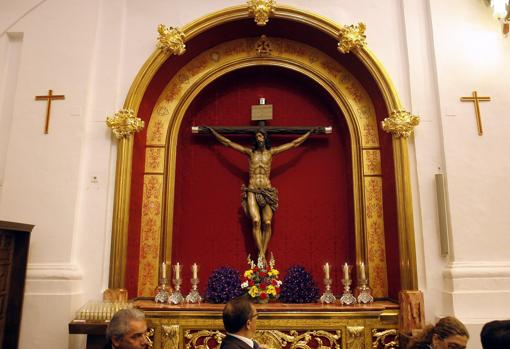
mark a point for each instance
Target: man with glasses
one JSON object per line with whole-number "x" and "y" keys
{"x": 240, "y": 321}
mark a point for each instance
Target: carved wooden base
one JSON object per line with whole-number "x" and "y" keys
{"x": 280, "y": 326}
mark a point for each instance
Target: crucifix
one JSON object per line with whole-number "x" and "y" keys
{"x": 49, "y": 98}
{"x": 260, "y": 198}
{"x": 475, "y": 99}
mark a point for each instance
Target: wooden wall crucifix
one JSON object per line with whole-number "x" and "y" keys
{"x": 260, "y": 199}
{"x": 48, "y": 98}
{"x": 475, "y": 99}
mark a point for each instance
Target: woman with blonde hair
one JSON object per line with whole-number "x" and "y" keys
{"x": 447, "y": 333}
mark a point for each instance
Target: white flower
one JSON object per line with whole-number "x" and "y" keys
{"x": 278, "y": 283}
{"x": 244, "y": 284}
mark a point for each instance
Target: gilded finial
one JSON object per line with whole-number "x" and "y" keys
{"x": 351, "y": 37}
{"x": 124, "y": 123}
{"x": 261, "y": 10}
{"x": 400, "y": 123}
{"x": 171, "y": 40}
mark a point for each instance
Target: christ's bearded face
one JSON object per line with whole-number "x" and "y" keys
{"x": 260, "y": 139}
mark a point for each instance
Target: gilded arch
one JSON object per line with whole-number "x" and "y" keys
{"x": 360, "y": 126}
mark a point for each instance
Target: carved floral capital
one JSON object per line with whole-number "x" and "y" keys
{"x": 171, "y": 40}
{"x": 124, "y": 123}
{"x": 351, "y": 37}
{"x": 400, "y": 123}
{"x": 261, "y": 10}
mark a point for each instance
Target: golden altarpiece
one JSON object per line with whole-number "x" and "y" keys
{"x": 334, "y": 59}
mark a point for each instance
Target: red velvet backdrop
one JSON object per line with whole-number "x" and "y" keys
{"x": 314, "y": 223}
{"x": 286, "y": 109}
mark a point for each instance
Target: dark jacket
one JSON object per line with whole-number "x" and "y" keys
{"x": 233, "y": 343}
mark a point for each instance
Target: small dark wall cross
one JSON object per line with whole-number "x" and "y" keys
{"x": 48, "y": 98}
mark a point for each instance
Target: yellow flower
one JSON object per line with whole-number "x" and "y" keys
{"x": 248, "y": 273}
{"x": 273, "y": 272}
{"x": 271, "y": 290}
{"x": 254, "y": 291}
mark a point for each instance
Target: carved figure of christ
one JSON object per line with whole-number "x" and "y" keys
{"x": 260, "y": 198}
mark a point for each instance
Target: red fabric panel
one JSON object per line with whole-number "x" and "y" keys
{"x": 314, "y": 223}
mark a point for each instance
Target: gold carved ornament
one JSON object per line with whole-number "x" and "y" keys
{"x": 355, "y": 337}
{"x": 170, "y": 40}
{"x": 385, "y": 339}
{"x": 149, "y": 335}
{"x": 273, "y": 339}
{"x": 351, "y": 37}
{"x": 263, "y": 46}
{"x": 261, "y": 9}
{"x": 124, "y": 123}
{"x": 400, "y": 123}
{"x": 170, "y": 336}
{"x": 203, "y": 336}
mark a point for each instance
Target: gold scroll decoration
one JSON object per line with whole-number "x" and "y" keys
{"x": 371, "y": 162}
{"x": 149, "y": 335}
{"x": 124, "y": 123}
{"x": 203, "y": 339}
{"x": 170, "y": 336}
{"x": 385, "y": 339}
{"x": 375, "y": 236}
{"x": 150, "y": 233}
{"x": 274, "y": 339}
{"x": 261, "y": 10}
{"x": 351, "y": 37}
{"x": 170, "y": 40}
{"x": 400, "y": 123}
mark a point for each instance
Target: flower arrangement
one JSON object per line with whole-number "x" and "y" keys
{"x": 223, "y": 285}
{"x": 299, "y": 286}
{"x": 261, "y": 280}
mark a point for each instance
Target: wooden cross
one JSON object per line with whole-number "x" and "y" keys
{"x": 475, "y": 99}
{"x": 49, "y": 98}
{"x": 260, "y": 113}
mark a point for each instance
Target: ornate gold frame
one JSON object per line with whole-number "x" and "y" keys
{"x": 400, "y": 146}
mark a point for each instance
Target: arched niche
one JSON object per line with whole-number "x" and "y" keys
{"x": 304, "y": 44}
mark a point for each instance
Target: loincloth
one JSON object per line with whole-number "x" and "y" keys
{"x": 263, "y": 196}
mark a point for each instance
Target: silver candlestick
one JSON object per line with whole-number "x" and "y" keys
{"x": 347, "y": 297}
{"x": 364, "y": 295}
{"x": 328, "y": 297}
{"x": 176, "y": 296}
{"x": 162, "y": 292}
{"x": 193, "y": 295}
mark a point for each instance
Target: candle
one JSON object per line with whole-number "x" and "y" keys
{"x": 346, "y": 271}
{"x": 163, "y": 270}
{"x": 194, "y": 271}
{"x": 177, "y": 269}
{"x": 326, "y": 270}
{"x": 362, "y": 275}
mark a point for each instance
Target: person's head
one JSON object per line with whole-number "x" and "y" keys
{"x": 240, "y": 317}
{"x": 127, "y": 330}
{"x": 496, "y": 335}
{"x": 261, "y": 139}
{"x": 449, "y": 333}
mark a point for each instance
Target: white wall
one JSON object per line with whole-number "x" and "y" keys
{"x": 435, "y": 51}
